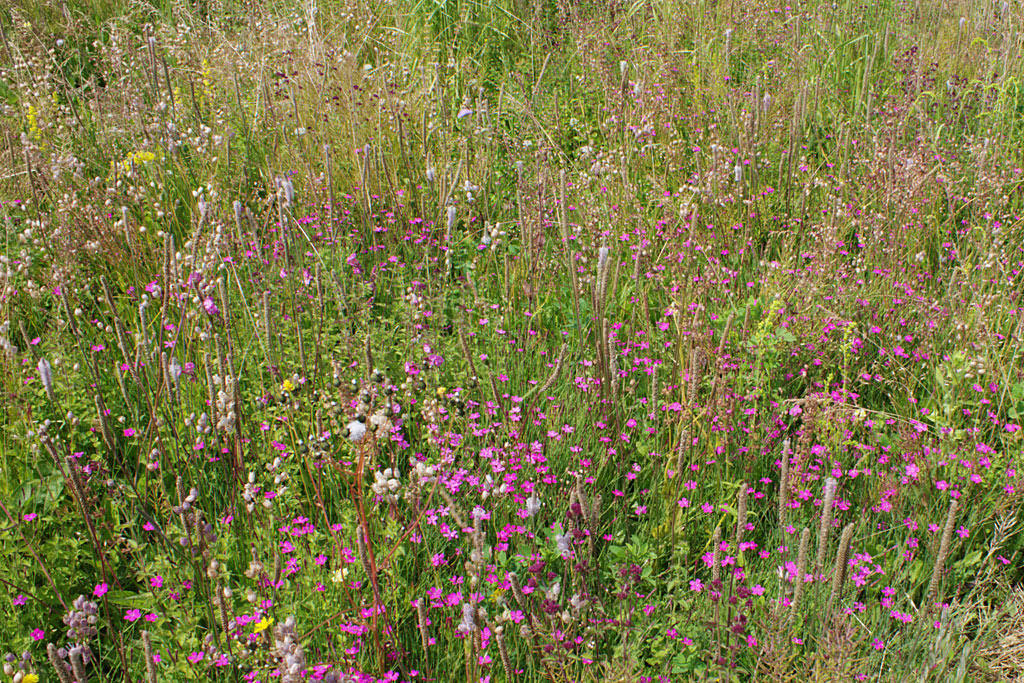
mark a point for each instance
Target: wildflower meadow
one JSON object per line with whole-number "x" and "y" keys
{"x": 567, "y": 341}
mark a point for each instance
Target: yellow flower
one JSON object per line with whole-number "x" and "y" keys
{"x": 263, "y": 624}
{"x": 205, "y": 75}
{"x": 31, "y": 678}
{"x": 288, "y": 386}
{"x": 441, "y": 391}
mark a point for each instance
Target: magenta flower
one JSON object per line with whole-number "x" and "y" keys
{"x": 100, "y": 590}
{"x": 38, "y": 634}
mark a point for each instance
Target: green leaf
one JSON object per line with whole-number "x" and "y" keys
{"x": 971, "y": 560}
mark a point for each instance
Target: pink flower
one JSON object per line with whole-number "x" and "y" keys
{"x": 132, "y": 615}
{"x": 20, "y": 600}
{"x": 210, "y": 306}
{"x": 100, "y": 590}
{"x": 38, "y": 634}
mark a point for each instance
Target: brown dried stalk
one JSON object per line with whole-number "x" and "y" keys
{"x": 839, "y": 572}
{"x": 940, "y": 562}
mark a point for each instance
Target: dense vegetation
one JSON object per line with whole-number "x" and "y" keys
{"x": 491, "y": 340}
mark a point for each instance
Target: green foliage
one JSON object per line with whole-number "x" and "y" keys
{"x": 810, "y": 245}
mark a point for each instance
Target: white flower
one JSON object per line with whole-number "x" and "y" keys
{"x": 356, "y": 431}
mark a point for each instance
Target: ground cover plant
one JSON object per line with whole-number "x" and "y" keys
{"x": 511, "y": 340}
